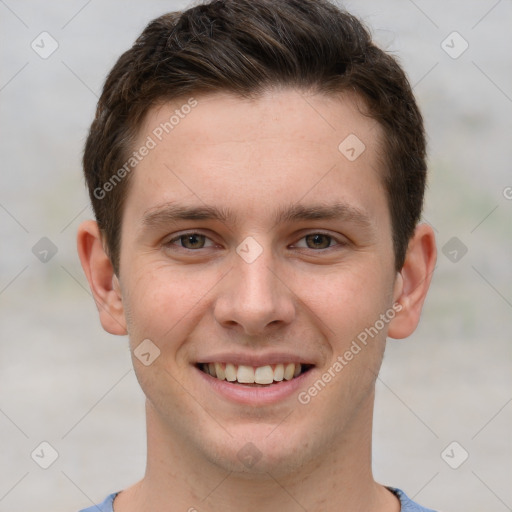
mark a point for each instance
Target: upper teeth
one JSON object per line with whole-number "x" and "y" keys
{"x": 253, "y": 375}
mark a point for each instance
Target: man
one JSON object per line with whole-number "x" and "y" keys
{"x": 257, "y": 171}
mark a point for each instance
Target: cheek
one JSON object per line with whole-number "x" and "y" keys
{"x": 347, "y": 299}
{"x": 162, "y": 302}
{"x": 348, "y": 304}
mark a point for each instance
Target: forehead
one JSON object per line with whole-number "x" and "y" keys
{"x": 252, "y": 156}
{"x": 286, "y": 114}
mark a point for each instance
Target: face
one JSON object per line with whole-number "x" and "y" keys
{"x": 254, "y": 248}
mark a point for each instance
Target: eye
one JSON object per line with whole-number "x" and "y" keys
{"x": 319, "y": 241}
{"x": 194, "y": 241}
{"x": 190, "y": 241}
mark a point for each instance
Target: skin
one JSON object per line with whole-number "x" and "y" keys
{"x": 305, "y": 296}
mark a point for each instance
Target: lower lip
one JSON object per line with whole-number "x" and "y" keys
{"x": 255, "y": 395}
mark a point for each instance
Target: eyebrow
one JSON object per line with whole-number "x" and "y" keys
{"x": 170, "y": 213}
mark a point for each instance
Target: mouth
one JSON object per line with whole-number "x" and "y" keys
{"x": 251, "y": 376}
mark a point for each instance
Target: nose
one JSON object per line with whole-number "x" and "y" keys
{"x": 254, "y": 297}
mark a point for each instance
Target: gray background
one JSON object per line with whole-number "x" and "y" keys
{"x": 65, "y": 381}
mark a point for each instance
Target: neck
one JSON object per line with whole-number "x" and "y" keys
{"x": 179, "y": 478}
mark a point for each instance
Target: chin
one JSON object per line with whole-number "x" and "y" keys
{"x": 261, "y": 449}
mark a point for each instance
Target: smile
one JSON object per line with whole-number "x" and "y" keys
{"x": 256, "y": 376}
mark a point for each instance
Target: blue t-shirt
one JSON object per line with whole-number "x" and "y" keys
{"x": 407, "y": 504}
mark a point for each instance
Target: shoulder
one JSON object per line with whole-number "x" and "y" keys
{"x": 407, "y": 505}
{"x": 105, "y": 506}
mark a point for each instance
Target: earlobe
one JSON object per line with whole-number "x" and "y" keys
{"x": 102, "y": 279}
{"x": 413, "y": 281}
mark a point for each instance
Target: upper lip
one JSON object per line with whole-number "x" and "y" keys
{"x": 255, "y": 360}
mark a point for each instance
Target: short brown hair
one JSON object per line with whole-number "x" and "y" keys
{"x": 246, "y": 47}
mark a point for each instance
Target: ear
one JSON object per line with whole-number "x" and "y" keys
{"x": 413, "y": 282}
{"x": 102, "y": 279}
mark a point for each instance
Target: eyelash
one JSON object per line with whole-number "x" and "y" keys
{"x": 339, "y": 243}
